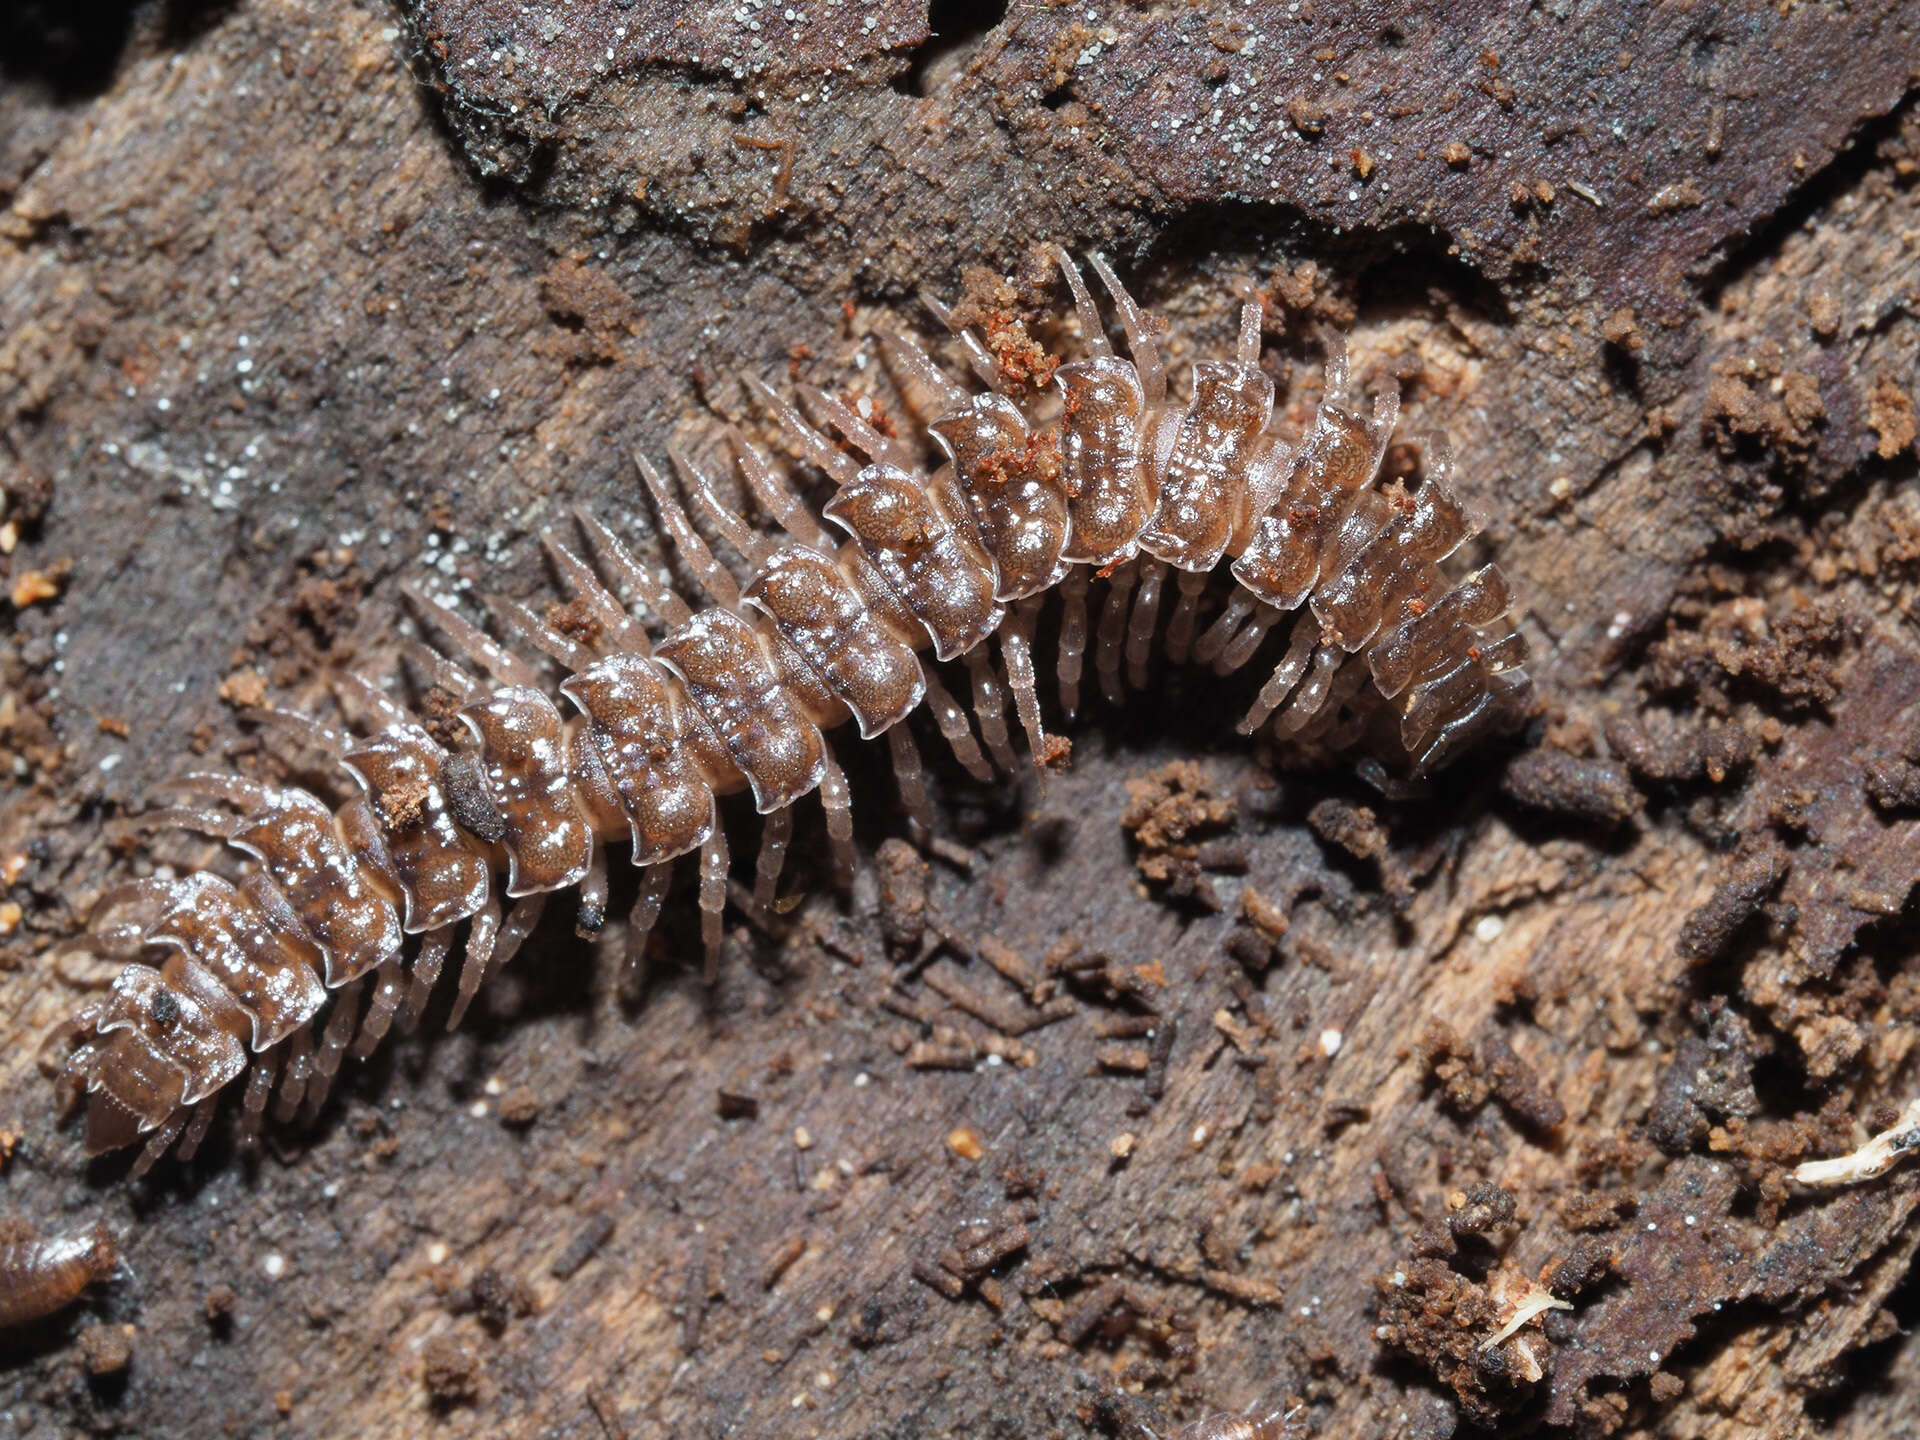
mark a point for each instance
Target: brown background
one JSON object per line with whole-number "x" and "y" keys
{"x": 296, "y": 299}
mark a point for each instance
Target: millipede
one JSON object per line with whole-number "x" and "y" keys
{"x": 40, "y": 1277}
{"x": 1104, "y": 474}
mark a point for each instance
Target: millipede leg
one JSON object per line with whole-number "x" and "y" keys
{"x": 713, "y": 893}
{"x": 525, "y": 914}
{"x": 1306, "y": 635}
{"x": 1242, "y": 647}
{"x": 1073, "y": 638}
{"x": 1340, "y": 689}
{"x": 387, "y": 990}
{"x": 1146, "y": 619}
{"x": 910, "y": 776}
{"x": 161, "y": 1142}
{"x": 1313, "y": 691}
{"x": 991, "y": 706}
{"x": 837, "y": 800}
{"x": 646, "y": 910}
{"x": 1016, "y": 647}
{"x": 952, "y": 721}
{"x": 254, "y": 1104}
{"x": 293, "y": 1077}
{"x": 776, "y": 834}
{"x": 333, "y": 1046}
{"x": 197, "y": 1129}
{"x": 473, "y": 968}
{"x": 1186, "y": 614}
{"x": 435, "y": 945}
{"x": 216, "y": 823}
{"x": 1214, "y": 640}
{"x": 1113, "y": 631}
{"x": 592, "y": 913}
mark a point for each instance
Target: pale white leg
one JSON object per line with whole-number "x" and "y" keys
{"x": 1214, "y": 640}
{"x": 435, "y": 946}
{"x": 952, "y": 721}
{"x": 1073, "y": 638}
{"x": 646, "y": 910}
{"x": 1306, "y": 634}
{"x": 1113, "y": 630}
{"x": 161, "y": 1142}
{"x": 197, "y": 1129}
{"x": 473, "y": 967}
{"x": 254, "y": 1105}
{"x": 1186, "y": 614}
{"x": 837, "y": 801}
{"x": 592, "y": 913}
{"x": 1016, "y": 648}
{"x": 387, "y": 990}
{"x": 1146, "y": 618}
{"x": 293, "y": 1077}
{"x": 333, "y": 1046}
{"x": 1336, "y": 693}
{"x": 776, "y": 834}
{"x": 713, "y": 893}
{"x": 989, "y": 704}
{"x": 521, "y": 919}
{"x": 1313, "y": 691}
{"x": 910, "y": 777}
{"x": 1242, "y": 647}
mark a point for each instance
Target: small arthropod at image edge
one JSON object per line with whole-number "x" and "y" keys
{"x": 39, "y": 1278}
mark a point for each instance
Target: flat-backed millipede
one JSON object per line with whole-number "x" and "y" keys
{"x": 40, "y": 1277}
{"x": 1106, "y": 477}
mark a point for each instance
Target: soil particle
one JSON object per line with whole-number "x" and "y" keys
{"x": 1573, "y": 786}
{"x": 586, "y": 1243}
{"x": 1518, "y": 1087}
{"x": 1438, "y": 1318}
{"x": 497, "y": 1298}
{"x": 1467, "y": 1077}
{"x": 1890, "y": 414}
{"x": 450, "y": 1371}
{"x": 1452, "y": 1064}
{"x": 1787, "y": 655}
{"x": 1171, "y": 812}
{"x": 1708, "y": 1081}
{"x": 1660, "y": 746}
{"x": 1358, "y": 831}
{"x": 1751, "y": 879}
{"x": 903, "y": 895}
{"x": 1589, "y": 1262}
{"x": 1597, "y": 1210}
{"x": 106, "y": 1349}
{"x": 1894, "y": 783}
{"x": 1001, "y": 312}
{"x": 1483, "y": 1208}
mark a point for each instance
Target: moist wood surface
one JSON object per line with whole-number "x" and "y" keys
{"x": 294, "y": 302}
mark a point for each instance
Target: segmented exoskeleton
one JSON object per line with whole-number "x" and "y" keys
{"x": 1121, "y": 481}
{"x": 41, "y": 1277}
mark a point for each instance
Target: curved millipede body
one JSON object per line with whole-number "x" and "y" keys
{"x": 40, "y": 1277}
{"x": 667, "y": 707}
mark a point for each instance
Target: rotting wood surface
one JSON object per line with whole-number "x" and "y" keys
{"x": 293, "y": 301}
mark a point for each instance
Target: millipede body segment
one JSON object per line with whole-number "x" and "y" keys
{"x": 1108, "y": 477}
{"x": 41, "y": 1277}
